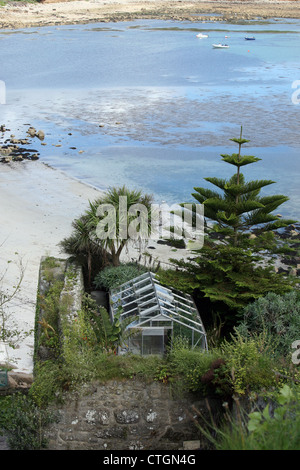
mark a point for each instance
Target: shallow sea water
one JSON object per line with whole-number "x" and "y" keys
{"x": 149, "y": 105}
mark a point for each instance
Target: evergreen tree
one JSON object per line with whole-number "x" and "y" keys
{"x": 235, "y": 265}
{"x": 240, "y": 207}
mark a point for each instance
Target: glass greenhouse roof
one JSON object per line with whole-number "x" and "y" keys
{"x": 157, "y": 310}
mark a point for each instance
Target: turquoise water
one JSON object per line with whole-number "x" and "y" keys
{"x": 149, "y": 105}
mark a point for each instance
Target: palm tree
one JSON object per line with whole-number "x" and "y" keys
{"x": 122, "y": 200}
{"x": 92, "y": 251}
{"x": 82, "y": 246}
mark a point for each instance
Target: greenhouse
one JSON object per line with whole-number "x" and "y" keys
{"x": 155, "y": 315}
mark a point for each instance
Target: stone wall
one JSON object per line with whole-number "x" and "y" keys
{"x": 127, "y": 415}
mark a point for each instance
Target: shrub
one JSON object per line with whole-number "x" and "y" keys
{"x": 278, "y": 316}
{"x": 239, "y": 366}
{"x": 260, "y": 429}
{"x": 24, "y": 422}
{"x": 189, "y": 365}
{"x": 249, "y": 364}
{"x": 113, "y": 276}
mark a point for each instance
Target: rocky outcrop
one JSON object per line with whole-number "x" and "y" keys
{"x": 19, "y": 381}
{"x": 14, "y": 150}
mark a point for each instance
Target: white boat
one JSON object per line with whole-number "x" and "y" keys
{"x": 201, "y": 35}
{"x": 220, "y": 46}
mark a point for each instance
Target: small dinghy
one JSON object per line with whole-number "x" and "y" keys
{"x": 220, "y": 46}
{"x": 201, "y": 35}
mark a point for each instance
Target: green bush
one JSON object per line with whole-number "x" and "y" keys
{"x": 239, "y": 366}
{"x": 277, "y": 316}
{"x": 114, "y": 276}
{"x": 189, "y": 365}
{"x": 249, "y": 364}
{"x": 23, "y": 422}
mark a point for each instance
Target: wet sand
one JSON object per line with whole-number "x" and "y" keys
{"x": 24, "y": 15}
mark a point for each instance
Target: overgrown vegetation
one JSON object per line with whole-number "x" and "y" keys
{"x": 112, "y": 276}
{"x": 113, "y": 221}
{"x": 260, "y": 429}
{"x": 24, "y": 422}
{"x": 276, "y": 316}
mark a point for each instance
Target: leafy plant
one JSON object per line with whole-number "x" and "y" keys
{"x": 259, "y": 429}
{"x": 278, "y": 316}
{"x": 113, "y": 276}
{"x": 24, "y": 423}
{"x": 115, "y": 221}
{"x": 163, "y": 374}
{"x": 84, "y": 247}
{"x": 188, "y": 365}
{"x": 249, "y": 363}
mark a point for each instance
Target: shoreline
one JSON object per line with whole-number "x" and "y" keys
{"x": 55, "y": 13}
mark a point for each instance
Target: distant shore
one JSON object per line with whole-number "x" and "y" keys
{"x": 16, "y": 15}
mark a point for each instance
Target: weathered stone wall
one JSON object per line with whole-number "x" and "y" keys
{"x": 126, "y": 415}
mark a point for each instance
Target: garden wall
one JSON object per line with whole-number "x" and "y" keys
{"x": 128, "y": 415}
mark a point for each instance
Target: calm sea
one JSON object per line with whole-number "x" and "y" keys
{"x": 150, "y": 105}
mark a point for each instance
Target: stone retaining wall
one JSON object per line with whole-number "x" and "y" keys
{"x": 127, "y": 415}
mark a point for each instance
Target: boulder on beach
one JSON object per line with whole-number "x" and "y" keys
{"x": 40, "y": 135}
{"x": 31, "y": 131}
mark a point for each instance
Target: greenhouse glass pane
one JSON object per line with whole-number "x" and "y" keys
{"x": 153, "y": 344}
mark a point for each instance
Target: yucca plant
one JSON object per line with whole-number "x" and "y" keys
{"x": 84, "y": 243}
{"x": 117, "y": 227}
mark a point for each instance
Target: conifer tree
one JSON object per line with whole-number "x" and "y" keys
{"x": 241, "y": 206}
{"x": 235, "y": 265}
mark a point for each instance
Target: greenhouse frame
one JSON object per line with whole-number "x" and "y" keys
{"x": 155, "y": 315}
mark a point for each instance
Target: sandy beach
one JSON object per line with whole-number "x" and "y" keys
{"x": 38, "y": 205}
{"x": 51, "y": 12}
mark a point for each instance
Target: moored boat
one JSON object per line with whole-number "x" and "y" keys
{"x": 220, "y": 46}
